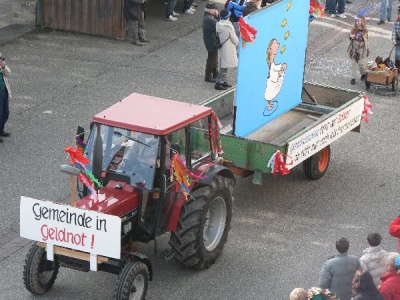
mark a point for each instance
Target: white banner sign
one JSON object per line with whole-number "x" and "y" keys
{"x": 325, "y": 133}
{"x": 70, "y": 227}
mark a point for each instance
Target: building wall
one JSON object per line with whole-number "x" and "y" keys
{"x": 23, "y": 11}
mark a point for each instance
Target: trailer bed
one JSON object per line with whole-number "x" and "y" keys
{"x": 326, "y": 114}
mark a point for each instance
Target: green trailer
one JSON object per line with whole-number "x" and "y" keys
{"x": 301, "y": 135}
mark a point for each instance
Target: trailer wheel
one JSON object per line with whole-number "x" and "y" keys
{"x": 395, "y": 83}
{"x": 203, "y": 225}
{"x": 315, "y": 166}
{"x": 132, "y": 282}
{"x": 39, "y": 273}
{"x": 367, "y": 84}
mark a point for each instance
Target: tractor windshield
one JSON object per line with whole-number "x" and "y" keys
{"x": 127, "y": 152}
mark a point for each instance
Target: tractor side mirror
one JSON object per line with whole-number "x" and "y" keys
{"x": 67, "y": 169}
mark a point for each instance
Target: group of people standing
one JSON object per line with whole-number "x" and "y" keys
{"x": 373, "y": 276}
{"x": 221, "y": 38}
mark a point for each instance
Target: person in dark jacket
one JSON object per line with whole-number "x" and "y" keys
{"x": 338, "y": 271}
{"x": 364, "y": 287}
{"x": 5, "y": 96}
{"x": 390, "y": 281}
{"x": 134, "y": 13}
{"x": 210, "y": 20}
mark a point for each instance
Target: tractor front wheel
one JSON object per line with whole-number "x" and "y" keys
{"x": 132, "y": 282}
{"x": 204, "y": 224}
{"x": 39, "y": 273}
{"x": 315, "y": 166}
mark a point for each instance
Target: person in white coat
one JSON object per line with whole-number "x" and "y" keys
{"x": 373, "y": 259}
{"x": 227, "y": 54}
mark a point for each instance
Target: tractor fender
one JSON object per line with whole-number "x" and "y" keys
{"x": 144, "y": 259}
{"x": 176, "y": 212}
{"x": 207, "y": 174}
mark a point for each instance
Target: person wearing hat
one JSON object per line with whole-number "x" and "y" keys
{"x": 390, "y": 281}
{"x": 210, "y": 20}
{"x": 227, "y": 54}
{"x": 396, "y": 39}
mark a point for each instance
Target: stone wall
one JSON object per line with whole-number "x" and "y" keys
{"x": 23, "y": 12}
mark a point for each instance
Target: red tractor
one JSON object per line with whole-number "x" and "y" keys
{"x": 132, "y": 148}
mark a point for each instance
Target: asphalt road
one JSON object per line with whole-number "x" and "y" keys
{"x": 281, "y": 232}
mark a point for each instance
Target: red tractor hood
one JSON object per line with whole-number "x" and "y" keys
{"x": 117, "y": 199}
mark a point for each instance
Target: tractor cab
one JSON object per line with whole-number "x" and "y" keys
{"x": 130, "y": 149}
{"x": 128, "y": 156}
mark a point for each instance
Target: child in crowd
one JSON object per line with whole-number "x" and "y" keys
{"x": 358, "y": 49}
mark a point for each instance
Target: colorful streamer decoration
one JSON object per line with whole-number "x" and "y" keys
{"x": 78, "y": 160}
{"x": 316, "y": 9}
{"x": 367, "y": 109}
{"x": 277, "y": 164}
{"x": 80, "y": 145}
{"x": 247, "y": 32}
{"x": 214, "y": 125}
{"x": 184, "y": 178}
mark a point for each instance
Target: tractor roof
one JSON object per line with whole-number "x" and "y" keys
{"x": 152, "y": 115}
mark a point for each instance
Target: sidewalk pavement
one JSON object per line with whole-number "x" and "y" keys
{"x": 13, "y": 31}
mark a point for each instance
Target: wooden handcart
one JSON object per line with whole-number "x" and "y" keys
{"x": 382, "y": 78}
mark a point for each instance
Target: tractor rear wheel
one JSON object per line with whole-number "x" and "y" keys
{"x": 39, "y": 273}
{"x": 204, "y": 224}
{"x": 132, "y": 282}
{"x": 315, "y": 166}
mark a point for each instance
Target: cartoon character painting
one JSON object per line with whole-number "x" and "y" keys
{"x": 271, "y": 67}
{"x": 274, "y": 79}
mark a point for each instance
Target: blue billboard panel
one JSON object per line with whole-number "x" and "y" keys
{"x": 271, "y": 69}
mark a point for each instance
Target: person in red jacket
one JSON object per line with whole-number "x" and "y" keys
{"x": 390, "y": 281}
{"x": 394, "y": 229}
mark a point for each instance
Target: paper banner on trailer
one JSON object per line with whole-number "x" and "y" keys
{"x": 271, "y": 69}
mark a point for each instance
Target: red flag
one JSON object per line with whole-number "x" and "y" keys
{"x": 247, "y": 32}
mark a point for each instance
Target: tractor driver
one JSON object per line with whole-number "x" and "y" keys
{"x": 139, "y": 160}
